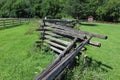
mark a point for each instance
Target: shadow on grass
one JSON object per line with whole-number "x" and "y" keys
{"x": 96, "y": 63}
{"x": 88, "y": 24}
{"x": 11, "y": 26}
{"x": 87, "y": 69}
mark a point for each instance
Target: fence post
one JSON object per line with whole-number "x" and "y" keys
{"x": 3, "y": 22}
{"x": 13, "y": 22}
{"x": 20, "y": 21}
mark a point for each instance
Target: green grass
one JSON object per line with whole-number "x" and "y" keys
{"x": 108, "y": 54}
{"x": 19, "y": 59}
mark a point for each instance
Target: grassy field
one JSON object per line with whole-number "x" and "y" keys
{"x": 108, "y": 55}
{"x": 20, "y": 60}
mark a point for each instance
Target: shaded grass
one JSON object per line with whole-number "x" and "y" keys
{"x": 19, "y": 59}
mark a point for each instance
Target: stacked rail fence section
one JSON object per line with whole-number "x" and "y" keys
{"x": 66, "y": 42}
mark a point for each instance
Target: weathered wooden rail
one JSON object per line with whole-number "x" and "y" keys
{"x": 6, "y": 22}
{"x": 66, "y": 42}
{"x": 68, "y": 23}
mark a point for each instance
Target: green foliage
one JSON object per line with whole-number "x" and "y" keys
{"x": 108, "y": 10}
{"x": 51, "y": 8}
{"x": 81, "y": 9}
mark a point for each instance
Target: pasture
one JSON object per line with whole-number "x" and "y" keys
{"x": 108, "y": 54}
{"x": 20, "y": 60}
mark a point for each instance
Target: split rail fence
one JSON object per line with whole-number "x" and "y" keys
{"x": 7, "y": 22}
{"x": 66, "y": 42}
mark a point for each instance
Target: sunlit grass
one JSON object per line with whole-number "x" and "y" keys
{"x": 19, "y": 58}
{"x": 108, "y": 55}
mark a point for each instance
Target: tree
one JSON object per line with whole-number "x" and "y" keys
{"x": 81, "y": 9}
{"x": 109, "y": 11}
{"x": 51, "y": 8}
